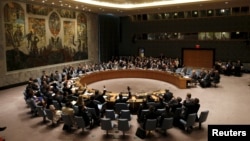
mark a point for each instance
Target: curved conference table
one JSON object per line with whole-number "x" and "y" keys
{"x": 172, "y": 78}
{"x": 136, "y": 99}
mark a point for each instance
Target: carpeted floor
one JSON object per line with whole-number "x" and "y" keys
{"x": 228, "y": 104}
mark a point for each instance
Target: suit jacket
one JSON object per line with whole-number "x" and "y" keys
{"x": 191, "y": 108}
{"x": 92, "y": 104}
{"x": 168, "y": 96}
{"x": 100, "y": 98}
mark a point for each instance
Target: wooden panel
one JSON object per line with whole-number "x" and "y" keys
{"x": 172, "y": 78}
{"x": 198, "y": 58}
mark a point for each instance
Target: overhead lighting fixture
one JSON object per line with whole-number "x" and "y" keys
{"x": 132, "y": 6}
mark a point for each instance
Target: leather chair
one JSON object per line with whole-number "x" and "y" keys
{"x": 41, "y": 112}
{"x": 189, "y": 122}
{"x": 202, "y": 117}
{"x": 123, "y": 125}
{"x": 125, "y": 114}
{"x": 57, "y": 105}
{"x": 80, "y": 122}
{"x": 167, "y": 124}
{"x": 161, "y": 111}
{"x": 49, "y": 115}
{"x": 68, "y": 122}
{"x": 120, "y": 106}
{"x": 150, "y": 125}
{"x": 110, "y": 113}
{"x": 142, "y": 115}
{"x": 106, "y": 124}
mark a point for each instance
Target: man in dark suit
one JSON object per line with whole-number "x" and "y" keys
{"x": 152, "y": 114}
{"x": 167, "y": 95}
{"x": 191, "y": 107}
{"x": 122, "y": 99}
{"x": 238, "y": 68}
{"x": 206, "y": 81}
{"x": 99, "y": 97}
{"x": 92, "y": 104}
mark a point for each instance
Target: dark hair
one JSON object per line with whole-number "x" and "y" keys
{"x": 120, "y": 95}
{"x": 151, "y": 108}
{"x": 92, "y": 97}
{"x": 179, "y": 99}
{"x": 196, "y": 100}
{"x": 68, "y": 104}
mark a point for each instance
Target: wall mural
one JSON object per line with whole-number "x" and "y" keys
{"x": 31, "y": 44}
{"x": 69, "y": 33}
{"x": 36, "y": 37}
{"x": 82, "y": 34}
{"x": 38, "y": 9}
{"x": 14, "y": 35}
{"x": 65, "y": 13}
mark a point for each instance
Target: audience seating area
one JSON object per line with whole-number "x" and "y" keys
{"x": 56, "y": 89}
{"x": 117, "y": 118}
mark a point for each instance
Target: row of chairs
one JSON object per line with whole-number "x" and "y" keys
{"x": 123, "y": 119}
{"x": 188, "y": 124}
{"x": 191, "y": 120}
{"x": 77, "y": 121}
{"x": 122, "y": 125}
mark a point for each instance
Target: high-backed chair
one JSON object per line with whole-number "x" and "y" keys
{"x": 110, "y": 113}
{"x": 203, "y": 117}
{"x": 68, "y": 122}
{"x": 106, "y": 124}
{"x": 150, "y": 125}
{"x": 123, "y": 125}
{"x": 120, "y": 106}
{"x": 161, "y": 111}
{"x": 178, "y": 112}
{"x": 32, "y": 105}
{"x": 49, "y": 115}
{"x": 142, "y": 115}
{"x": 189, "y": 122}
{"x": 91, "y": 111}
{"x": 80, "y": 122}
{"x": 92, "y": 115}
{"x": 57, "y": 105}
{"x": 167, "y": 124}
{"x": 125, "y": 114}
{"x": 177, "y": 116}
{"x": 41, "y": 112}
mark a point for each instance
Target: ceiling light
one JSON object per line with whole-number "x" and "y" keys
{"x": 132, "y": 6}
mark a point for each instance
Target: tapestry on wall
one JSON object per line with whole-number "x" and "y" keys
{"x": 40, "y": 36}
